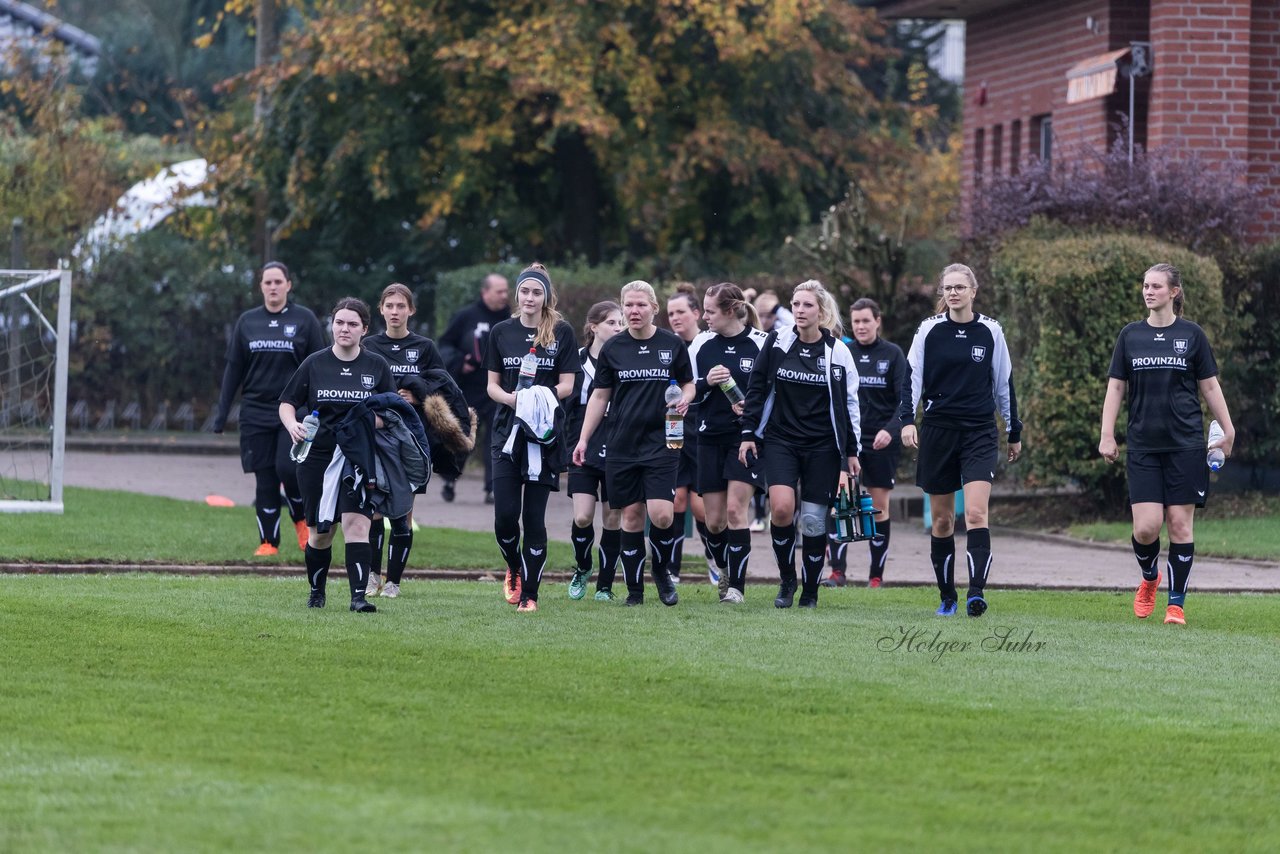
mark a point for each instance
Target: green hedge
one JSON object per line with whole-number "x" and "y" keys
{"x": 1249, "y": 378}
{"x": 1063, "y": 300}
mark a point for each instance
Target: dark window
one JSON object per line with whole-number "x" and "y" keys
{"x": 997, "y": 149}
{"x": 979, "y": 148}
{"x": 1042, "y": 130}
{"x": 1015, "y": 146}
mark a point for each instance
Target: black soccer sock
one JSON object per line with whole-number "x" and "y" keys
{"x": 717, "y": 545}
{"x": 839, "y": 552}
{"x": 708, "y": 551}
{"x": 398, "y": 547}
{"x": 1181, "y": 556}
{"x": 784, "y": 550}
{"x": 534, "y": 559}
{"x": 266, "y": 504}
{"x": 1148, "y": 557}
{"x": 297, "y": 507}
{"x": 879, "y": 549}
{"x": 665, "y": 542}
{"x": 357, "y": 568}
{"x": 942, "y": 552}
{"x": 813, "y": 549}
{"x": 978, "y": 545}
{"x": 318, "y": 561}
{"x": 610, "y": 551}
{"x": 632, "y": 543}
{"x": 677, "y": 548}
{"x": 583, "y": 540}
{"x": 377, "y": 535}
{"x": 738, "y": 548}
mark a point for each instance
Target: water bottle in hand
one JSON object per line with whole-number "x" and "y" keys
{"x": 731, "y": 391}
{"x": 302, "y": 447}
{"x": 528, "y": 369}
{"x": 675, "y": 421}
{"x": 1216, "y": 458}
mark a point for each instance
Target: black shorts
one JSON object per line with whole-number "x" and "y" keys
{"x": 718, "y": 464}
{"x": 816, "y": 468}
{"x": 1170, "y": 478}
{"x": 588, "y": 480}
{"x": 311, "y": 483}
{"x": 880, "y": 468}
{"x": 687, "y": 473}
{"x": 516, "y": 466}
{"x": 263, "y": 448}
{"x": 633, "y": 481}
{"x": 948, "y": 459}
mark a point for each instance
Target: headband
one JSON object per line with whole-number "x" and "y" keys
{"x": 532, "y": 275}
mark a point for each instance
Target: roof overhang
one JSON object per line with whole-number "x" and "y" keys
{"x": 937, "y": 9}
{"x": 1094, "y": 77}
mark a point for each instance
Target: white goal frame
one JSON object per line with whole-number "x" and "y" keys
{"x": 62, "y": 334}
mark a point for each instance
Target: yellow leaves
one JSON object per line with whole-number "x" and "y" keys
{"x": 203, "y": 41}
{"x": 333, "y": 97}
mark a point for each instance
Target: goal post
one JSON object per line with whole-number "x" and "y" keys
{"x": 35, "y": 344}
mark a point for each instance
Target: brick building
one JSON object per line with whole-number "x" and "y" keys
{"x": 1043, "y": 78}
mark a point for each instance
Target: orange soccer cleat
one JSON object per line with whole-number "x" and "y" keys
{"x": 527, "y": 606}
{"x": 266, "y": 550}
{"x": 511, "y": 587}
{"x": 1144, "y": 601}
{"x": 1173, "y": 614}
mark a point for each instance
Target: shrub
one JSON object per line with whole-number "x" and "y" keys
{"x": 1063, "y": 299}
{"x": 1249, "y": 377}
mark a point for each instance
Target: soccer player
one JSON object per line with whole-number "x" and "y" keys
{"x": 1164, "y": 363}
{"x": 407, "y": 353}
{"x": 633, "y": 372}
{"x": 526, "y": 471}
{"x": 331, "y": 382}
{"x": 960, "y": 369}
{"x": 882, "y": 375}
{"x": 803, "y": 402}
{"x": 684, "y": 316}
{"x": 266, "y": 347}
{"x": 729, "y": 350}
{"x": 587, "y": 481}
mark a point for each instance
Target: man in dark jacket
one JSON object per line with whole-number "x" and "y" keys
{"x": 463, "y": 346}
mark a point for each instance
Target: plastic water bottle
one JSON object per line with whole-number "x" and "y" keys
{"x": 1216, "y": 458}
{"x": 528, "y": 368}
{"x": 675, "y": 421}
{"x": 846, "y": 531}
{"x": 866, "y": 515}
{"x": 302, "y": 447}
{"x": 731, "y": 391}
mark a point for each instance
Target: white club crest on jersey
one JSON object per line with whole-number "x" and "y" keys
{"x": 745, "y": 365}
{"x": 411, "y": 356}
{"x": 1180, "y": 346}
{"x": 552, "y": 348}
{"x": 664, "y": 356}
{"x": 978, "y": 353}
{"x": 366, "y": 380}
{"x": 290, "y": 330}
{"x": 882, "y": 366}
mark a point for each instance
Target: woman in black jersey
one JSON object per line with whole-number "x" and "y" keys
{"x": 331, "y": 382}
{"x": 684, "y": 316}
{"x": 882, "y": 376}
{"x": 408, "y": 354}
{"x": 803, "y": 402}
{"x": 525, "y": 471}
{"x": 266, "y": 347}
{"x": 960, "y": 369}
{"x": 728, "y": 351}
{"x": 633, "y": 373}
{"x": 1164, "y": 363}
{"x": 587, "y": 481}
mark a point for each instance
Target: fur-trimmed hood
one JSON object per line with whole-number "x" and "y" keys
{"x": 441, "y": 421}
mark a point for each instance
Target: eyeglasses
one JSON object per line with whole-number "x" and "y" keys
{"x": 954, "y": 289}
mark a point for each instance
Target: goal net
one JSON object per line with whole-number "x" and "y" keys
{"x": 35, "y": 322}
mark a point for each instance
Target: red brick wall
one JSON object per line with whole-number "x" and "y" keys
{"x": 1264, "y": 106}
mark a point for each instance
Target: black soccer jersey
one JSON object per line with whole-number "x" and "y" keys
{"x": 331, "y": 386}
{"x": 264, "y": 352}
{"x": 961, "y": 372}
{"x": 715, "y": 416}
{"x": 882, "y": 382}
{"x": 412, "y": 354}
{"x": 1162, "y": 367}
{"x": 802, "y": 403}
{"x": 577, "y": 411}
{"x": 639, "y": 372}
{"x": 508, "y": 344}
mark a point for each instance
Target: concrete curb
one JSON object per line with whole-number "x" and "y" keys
{"x": 1074, "y": 542}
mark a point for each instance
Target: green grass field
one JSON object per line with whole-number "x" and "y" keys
{"x": 157, "y": 713}
{"x": 105, "y": 526}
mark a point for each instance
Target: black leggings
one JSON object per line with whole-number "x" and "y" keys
{"x": 517, "y": 505}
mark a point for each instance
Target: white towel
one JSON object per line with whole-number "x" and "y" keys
{"x": 536, "y": 411}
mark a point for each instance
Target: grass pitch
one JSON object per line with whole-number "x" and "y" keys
{"x": 164, "y": 713}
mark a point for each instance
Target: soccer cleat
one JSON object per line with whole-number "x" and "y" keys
{"x": 511, "y": 587}
{"x": 875, "y": 582}
{"x": 390, "y": 590}
{"x": 975, "y": 605}
{"x": 266, "y": 550}
{"x": 786, "y": 594}
{"x": 301, "y": 527}
{"x": 362, "y": 606}
{"x": 947, "y": 608}
{"x": 757, "y": 526}
{"x": 374, "y": 586}
{"x": 807, "y": 601}
{"x": 675, "y": 578}
{"x": 315, "y": 600}
{"x": 1173, "y": 614}
{"x": 578, "y": 584}
{"x": 448, "y": 493}
{"x": 713, "y": 572}
{"x": 634, "y": 599}
{"x": 667, "y": 594}
{"x": 1144, "y": 601}
{"x": 604, "y": 596}
{"x": 732, "y": 596}
{"x": 526, "y": 606}
{"x": 835, "y": 579}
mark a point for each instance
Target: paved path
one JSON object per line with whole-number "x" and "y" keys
{"x": 1020, "y": 560}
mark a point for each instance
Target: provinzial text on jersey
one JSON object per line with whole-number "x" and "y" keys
{"x": 255, "y": 346}
{"x": 341, "y": 394}
{"x": 644, "y": 374}
{"x": 1159, "y": 362}
{"x": 801, "y": 376}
